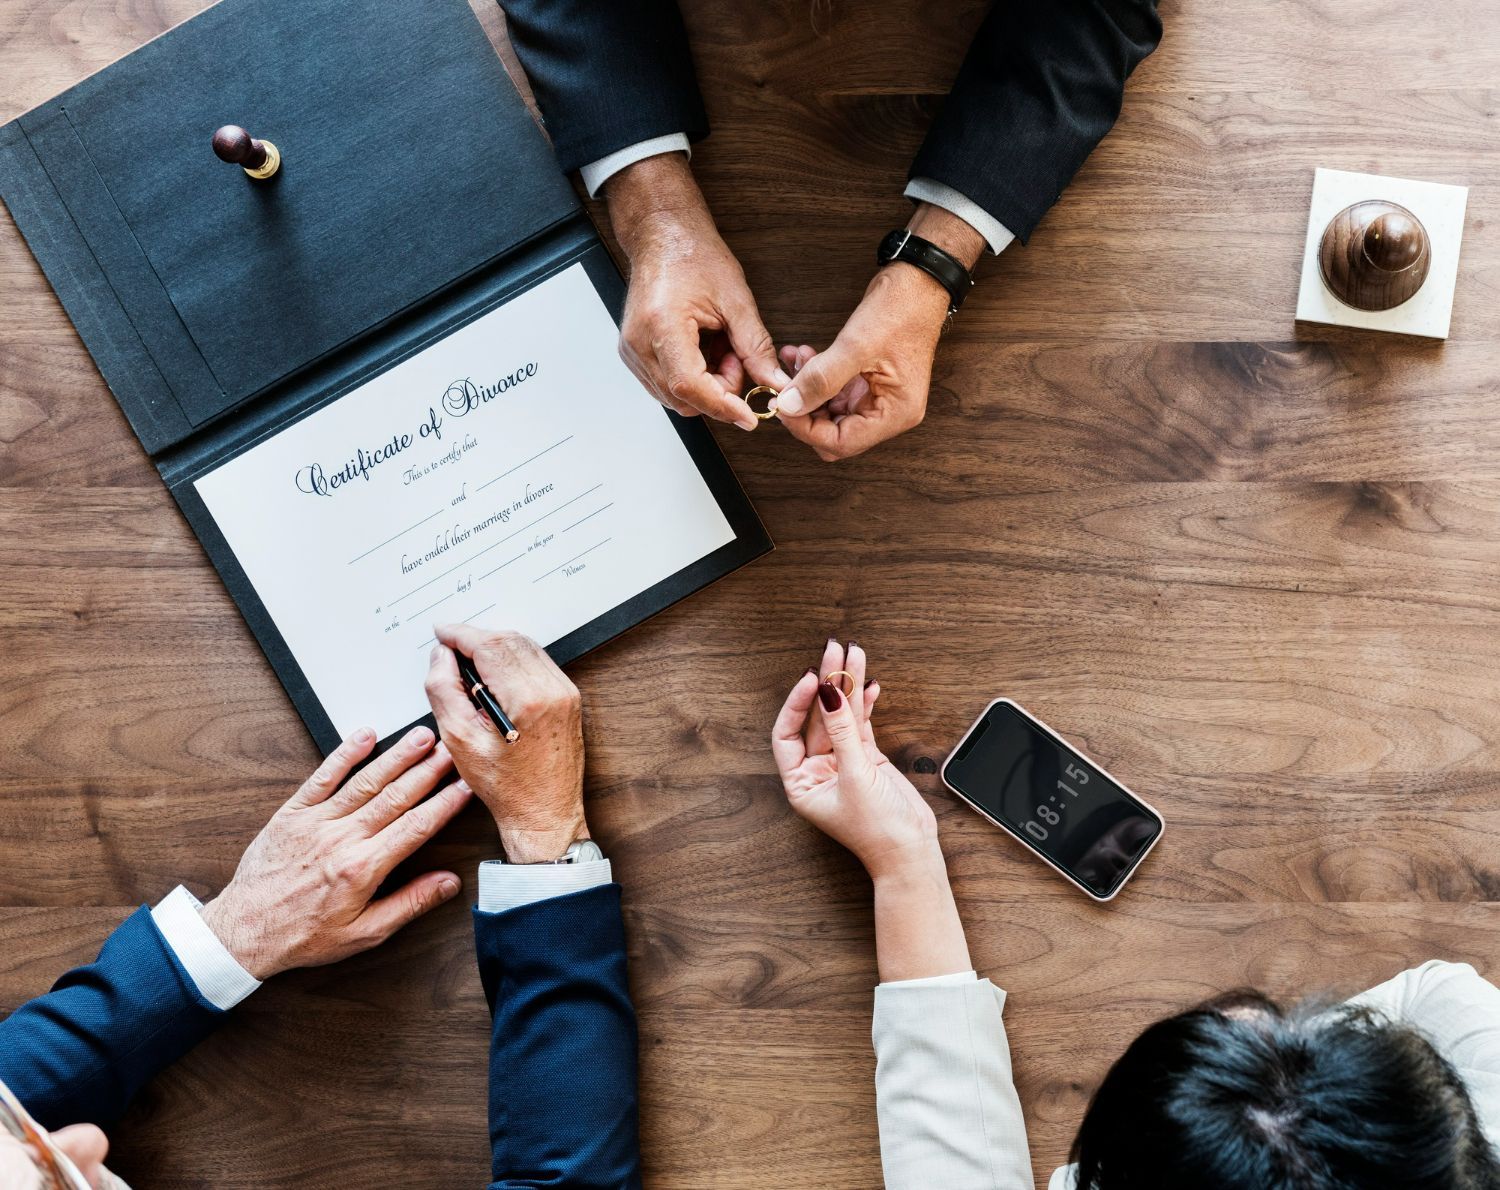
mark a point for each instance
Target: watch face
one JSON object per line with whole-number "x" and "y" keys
{"x": 585, "y": 851}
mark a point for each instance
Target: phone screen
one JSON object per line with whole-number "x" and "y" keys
{"x": 1052, "y": 799}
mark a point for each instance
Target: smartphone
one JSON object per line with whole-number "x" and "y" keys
{"x": 1025, "y": 778}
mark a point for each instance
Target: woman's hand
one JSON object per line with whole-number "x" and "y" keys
{"x": 838, "y": 779}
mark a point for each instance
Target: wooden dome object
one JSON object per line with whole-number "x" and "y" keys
{"x": 1374, "y": 255}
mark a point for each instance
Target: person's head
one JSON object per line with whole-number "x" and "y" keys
{"x": 28, "y": 1153}
{"x": 1239, "y": 1094}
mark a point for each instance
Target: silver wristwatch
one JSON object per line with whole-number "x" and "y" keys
{"x": 580, "y": 851}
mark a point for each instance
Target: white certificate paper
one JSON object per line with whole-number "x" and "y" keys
{"x": 512, "y": 475}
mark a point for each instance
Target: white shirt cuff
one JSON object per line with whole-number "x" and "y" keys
{"x": 995, "y": 233}
{"x": 509, "y": 886}
{"x": 219, "y": 978}
{"x": 596, "y": 173}
{"x": 933, "y": 981}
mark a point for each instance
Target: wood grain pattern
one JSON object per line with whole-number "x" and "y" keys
{"x": 1249, "y": 566}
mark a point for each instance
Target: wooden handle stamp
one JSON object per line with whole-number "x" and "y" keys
{"x": 1374, "y": 255}
{"x": 260, "y": 159}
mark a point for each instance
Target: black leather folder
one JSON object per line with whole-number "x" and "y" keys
{"x": 416, "y": 194}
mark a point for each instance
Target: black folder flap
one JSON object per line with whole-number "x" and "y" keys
{"x": 399, "y": 131}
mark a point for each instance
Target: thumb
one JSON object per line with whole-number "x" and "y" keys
{"x": 843, "y": 732}
{"x": 384, "y": 917}
{"x": 820, "y": 380}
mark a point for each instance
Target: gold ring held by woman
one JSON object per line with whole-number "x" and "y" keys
{"x": 843, "y": 673}
{"x": 763, "y": 390}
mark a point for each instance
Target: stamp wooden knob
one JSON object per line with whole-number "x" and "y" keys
{"x": 259, "y": 158}
{"x": 1374, "y": 255}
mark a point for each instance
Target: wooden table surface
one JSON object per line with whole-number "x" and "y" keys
{"x": 1250, "y": 566}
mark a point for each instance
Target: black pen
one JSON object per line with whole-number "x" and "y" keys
{"x": 480, "y": 693}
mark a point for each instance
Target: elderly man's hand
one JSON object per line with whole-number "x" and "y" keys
{"x": 691, "y": 331}
{"x": 871, "y": 383}
{"x": 304, "y": 892}
{"x": 533, "y": 787}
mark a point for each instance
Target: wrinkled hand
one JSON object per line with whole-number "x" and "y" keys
{"x": 533, "y": 787}
{"x": 871, "y": 383}
{"x": 691, "y": 331}
{"x": 304, "y": 892}
{"x": 837, "y": 778}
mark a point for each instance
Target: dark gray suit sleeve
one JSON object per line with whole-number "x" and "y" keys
{"x": 1040, "y": 87}
{"x": 607, "y": 73}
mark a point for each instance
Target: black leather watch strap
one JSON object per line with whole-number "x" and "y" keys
{"x": 943, "y": 267}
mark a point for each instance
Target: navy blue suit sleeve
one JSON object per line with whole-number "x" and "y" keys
{"x": 80, "y": 1053}
{"x": 1041, "y": 85}
{"x": 563, "y": 1044}
{"x": 606, "y": 73}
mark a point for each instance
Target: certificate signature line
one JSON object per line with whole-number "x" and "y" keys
{"x": 573, "y": 559}
{"x": 403, "y": 533}
{"x": 430, "y": 606}
{"x": 469, "y": 619}
{"x": 494, "y": 545}
{"x": 502, "y": 566}
{"x": 591, "y": 515}
{"x": 521, "y": 464}
{"x": 444, "y": 509}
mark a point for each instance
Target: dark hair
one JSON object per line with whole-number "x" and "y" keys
{"x": 1238, "y": 1094}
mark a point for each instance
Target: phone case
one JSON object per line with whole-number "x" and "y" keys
{"x": 1016, "y": 835}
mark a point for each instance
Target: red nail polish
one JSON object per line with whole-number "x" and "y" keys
{"x": 832, "y": 697}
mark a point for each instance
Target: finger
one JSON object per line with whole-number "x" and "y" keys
{"x": 869, "y": 696}
{"x": 381, "y": 771}
{"x": 412, "y": 830}
{"x": 843, "y": 731}
{"x": 631, "y": 358}
{"x": 730, "y": 373}
{"x": 787, "y": 745}
{"x": 85, "y": 1144}
{"x": 854, "y": 663}
{"x": 788, "y": 357}
{"x": 464, "y": 638}
{"x": 384, "y": 917}
{"x": 843, "y": 438}
{"x": 685, "y": 377}
{"x": 804, "y": 353}
{"x": 849, "y": 397}
{"x": 832, "y": 660}
{"x": 821, "y": 379}
{"x": 448, "y": 696}
{"x": 752, "y": 343}
{"x": 645, "y": 371}
{"x": 407, "y": 790}
{"x": 337, "y": 765}
{"x": 525, "y": 680}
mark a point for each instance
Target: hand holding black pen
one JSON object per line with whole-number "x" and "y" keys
{"x": 488, "y": 703}
{"x": 534, "y": 786}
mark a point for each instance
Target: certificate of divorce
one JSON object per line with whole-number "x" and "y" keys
{"x": 512, "y": 475}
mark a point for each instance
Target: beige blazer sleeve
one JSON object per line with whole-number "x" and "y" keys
{"x": 1458, "y": 1010}
{"x": 948, "y": 1110}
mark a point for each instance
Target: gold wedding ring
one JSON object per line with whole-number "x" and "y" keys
{"x": 770, "y": 394}
{"x": 843, "y": 673}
